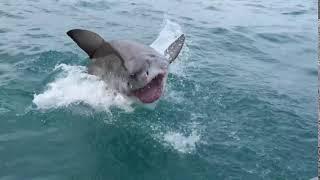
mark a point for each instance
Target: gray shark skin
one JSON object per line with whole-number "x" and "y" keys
{"x": 129, "y": 67}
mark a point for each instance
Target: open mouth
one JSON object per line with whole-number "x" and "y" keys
{"x": 152, "y": 91}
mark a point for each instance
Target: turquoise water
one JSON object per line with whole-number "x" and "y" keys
{"x": 240, "y": 102}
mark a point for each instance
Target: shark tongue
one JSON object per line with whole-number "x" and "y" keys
{"x": 151, "y": 92}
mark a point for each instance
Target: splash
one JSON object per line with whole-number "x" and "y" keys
{"x": 184, "y": 139}
{"x": 169, "y": 33}
{"x": 180, "y": 142}
{"x": 186, "y": 142}
{"x": 74, "y": 85}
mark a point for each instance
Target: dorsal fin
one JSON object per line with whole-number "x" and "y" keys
{"x": 174, "y": 49}
{"x": 86, "y": 40}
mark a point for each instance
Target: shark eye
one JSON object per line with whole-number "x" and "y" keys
{"x": 133, "y": 76}
{"x": 147, "y": 72}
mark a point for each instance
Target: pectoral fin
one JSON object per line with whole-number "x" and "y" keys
{"x": 174, "y": 49}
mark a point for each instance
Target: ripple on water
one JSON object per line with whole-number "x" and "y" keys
{"x": 212, "y": 8}
{"x": 218, "y": 30}
{"x": 100, "y": 5}
{"x": 295, "y": 13}
{"x": 311, "y": 71}
{"x": 256, "y": 5}
{"x": 10, "y": 15}
{"x": 5, "y": 30}
{"x": 34, "y": 29}
{"x": 186, "y": 18}
{"x": 276, "y": 38}
{"x": 37, "y": 36}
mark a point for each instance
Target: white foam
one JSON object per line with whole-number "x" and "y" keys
{"x": 180, "y": 142}
{"x": 74, "y": 85}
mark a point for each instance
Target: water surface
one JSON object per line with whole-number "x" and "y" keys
{"x": 240, "y": 101}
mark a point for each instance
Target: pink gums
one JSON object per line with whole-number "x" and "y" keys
{"x": 152, "y": 91}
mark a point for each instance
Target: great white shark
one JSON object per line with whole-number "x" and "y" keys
{"x": 129, "y": 67}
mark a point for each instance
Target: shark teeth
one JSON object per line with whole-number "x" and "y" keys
{"x": 152, "y": 91}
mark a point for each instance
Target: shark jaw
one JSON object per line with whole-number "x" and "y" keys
{"x": 152, "y": 91}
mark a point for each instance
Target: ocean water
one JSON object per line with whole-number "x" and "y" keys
{"x": 240, "y": 101}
